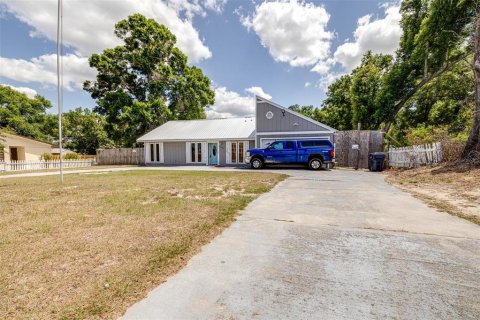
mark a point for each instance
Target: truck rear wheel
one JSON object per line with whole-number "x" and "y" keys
{"x": 315, "y": 164}
{"x": 256, "y": 163}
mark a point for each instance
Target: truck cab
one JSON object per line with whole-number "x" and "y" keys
{"x": 315, "y": 153}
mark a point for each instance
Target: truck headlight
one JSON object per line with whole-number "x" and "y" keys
{"x": 248, "y": 153}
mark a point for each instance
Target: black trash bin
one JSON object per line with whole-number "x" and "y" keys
{"x": 376, "y": 161}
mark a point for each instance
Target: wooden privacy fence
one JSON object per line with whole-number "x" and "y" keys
{"x": 415, "y": 156}
{"x": 120, "y": 156}
{"x": 368, "y": 141}
{"x": 26, "y": 165}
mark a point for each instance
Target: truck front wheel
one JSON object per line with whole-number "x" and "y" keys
{"x": 256, "y": 163}
{"x": 315, "y": 164}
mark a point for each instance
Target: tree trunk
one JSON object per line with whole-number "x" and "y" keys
{"x": 473, "y": 142}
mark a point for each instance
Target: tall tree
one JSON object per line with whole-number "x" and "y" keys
{"x": 473, "y": 142}
{"x": 437, "y": 35}
{"x": 23, "y": 115}
{"x": 146, "y": 81}
{"x": 442, "y": 108}
{"x": 367, "y": 80}
{"x": 84, "y": 131}
{"x": 308, "y": 111}
{"x": 337, "y": 107}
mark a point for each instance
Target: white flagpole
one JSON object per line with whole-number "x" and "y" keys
{"x": 60, "y": 82}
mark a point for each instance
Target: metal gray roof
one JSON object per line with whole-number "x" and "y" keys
{"x": 211, "y": 129}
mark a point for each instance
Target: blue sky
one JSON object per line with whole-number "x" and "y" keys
{"x": 288, "y": 51}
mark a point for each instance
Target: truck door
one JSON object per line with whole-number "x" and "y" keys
{"x": 274, "y": 152}
{"x": 290, "y": 152}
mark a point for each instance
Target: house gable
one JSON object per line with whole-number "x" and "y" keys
{"x": 271, "y": 117}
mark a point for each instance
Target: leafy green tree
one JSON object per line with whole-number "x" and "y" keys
{"x": 2, "y": 141}
{"x": 85, "y": 131}
{"x": 433, "y": 41}
{"x": 23, "y": 115}
{"x": 146, "y": 81}
{"x": 308, "y": 111}
{"x": 337, "y": 107}
{"x": 367, "y": 80}
{"x": 438, "y": 35}
{"x": 473, "y": 142}
{"x": 442, "y": 108}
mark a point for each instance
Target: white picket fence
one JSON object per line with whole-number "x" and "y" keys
{"x": 415, "y": 156}
{"x": 25, "y": 165}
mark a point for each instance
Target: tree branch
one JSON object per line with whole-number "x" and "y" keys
{"x": 399, "y": 104}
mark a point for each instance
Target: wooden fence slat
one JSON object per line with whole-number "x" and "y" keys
{"x": 120, "y": 156}
{"x": 414, "y": 156}
{"x": 369, "y": 141}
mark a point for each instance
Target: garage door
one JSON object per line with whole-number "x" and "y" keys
{"x": 265, "y": 142}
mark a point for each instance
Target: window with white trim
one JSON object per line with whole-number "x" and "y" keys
{"x": 196, "y": 152}
{"x": 155, "y": 152}
{"x": 236, "y": 151}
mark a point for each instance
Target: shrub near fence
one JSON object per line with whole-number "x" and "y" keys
{"x": 23, "y": 165}
{"x": 415, "y": 156}
{"x": 452, "y": 150}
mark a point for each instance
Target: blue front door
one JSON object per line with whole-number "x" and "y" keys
{"x": 213, "y": 154}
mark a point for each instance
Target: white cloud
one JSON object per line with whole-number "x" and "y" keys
{"x": 89, "y": 25}
{"x": 215, "y": 5}
{"x": 324, "y": 66}
{"x": 294, "y": 32}
{"x": 29, "y": 92}
{"x": 43, "y": 70}
{"x": 230, "y": 104}
{"x": 307, "y": 84}
{"x": 327, "y": 80}
{"x": 379, "y": 36}
{"x": 259, "y": 92}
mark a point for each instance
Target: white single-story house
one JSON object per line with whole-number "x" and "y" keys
{"x": 225, "y": 141}
{"x": 22, "y": 148}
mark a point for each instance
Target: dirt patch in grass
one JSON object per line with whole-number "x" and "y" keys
{"x": 452, "y": 188}
{"x": 90, "y": 248}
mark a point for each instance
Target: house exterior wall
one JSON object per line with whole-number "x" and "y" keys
{"x": 286, "y": 125}
{"x": 222, "y": 156}
{"x": 175, "y": 153}
{"x": 27, "y": 149}
{"x": 282, "y": 120}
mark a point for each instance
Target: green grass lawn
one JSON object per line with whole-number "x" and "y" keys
{"x": 98, "y": 243}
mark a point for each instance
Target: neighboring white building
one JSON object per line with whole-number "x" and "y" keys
{"x": 225, "y": 141}
{"x": 22, "y": 148}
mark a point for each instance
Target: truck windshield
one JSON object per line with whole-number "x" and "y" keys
{"x": 276, "y": 145}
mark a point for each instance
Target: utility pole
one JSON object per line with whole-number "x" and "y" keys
{"x": 60, "y": 82}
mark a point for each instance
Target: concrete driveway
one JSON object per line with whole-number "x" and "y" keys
{"x": 329, "y": 245}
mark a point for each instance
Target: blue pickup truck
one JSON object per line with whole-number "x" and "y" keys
{"x": 314, "y": 153}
